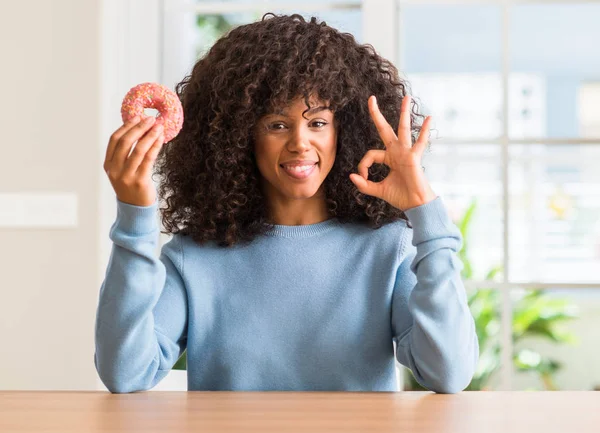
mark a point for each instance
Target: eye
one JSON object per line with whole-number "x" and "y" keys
{"x": 276, "y": 126}
{"x": 319, "y": 124}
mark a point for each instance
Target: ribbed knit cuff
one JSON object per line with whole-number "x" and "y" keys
{"x": 430, "y": 221}
{"x": 136, "y": 219}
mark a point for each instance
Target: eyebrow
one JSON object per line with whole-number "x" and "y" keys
{"x": 311, "y": 111}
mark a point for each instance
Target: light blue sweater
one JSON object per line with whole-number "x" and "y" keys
{"x": 312, "y": 307}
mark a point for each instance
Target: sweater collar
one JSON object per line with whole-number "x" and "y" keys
{"x": 302, "y": 231}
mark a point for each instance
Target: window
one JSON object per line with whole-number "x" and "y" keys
{"x": 514, "y": 88}
{"x": 514, "y": 91}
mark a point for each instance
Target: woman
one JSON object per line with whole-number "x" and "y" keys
{"x": 286, "y": 269}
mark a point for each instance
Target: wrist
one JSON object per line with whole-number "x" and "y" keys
{"x": 431, "y": 221}
{"x": 420, "y": 200}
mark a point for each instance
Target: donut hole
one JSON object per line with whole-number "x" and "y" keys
{"x": 150, "y": 112}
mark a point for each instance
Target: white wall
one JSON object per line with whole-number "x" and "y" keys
{"x": 66, "y": 65}
{"x": 50, "y": 115}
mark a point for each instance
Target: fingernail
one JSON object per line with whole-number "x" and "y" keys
{"x": 375, "y": 99}
{"x": 136, "y": 119}
{"x": 149, "y": 119}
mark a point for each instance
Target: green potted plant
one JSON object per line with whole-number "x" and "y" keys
{"x": 535, "y": 314}
{"x": 181, "y": 363}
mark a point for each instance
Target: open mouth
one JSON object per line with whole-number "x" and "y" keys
{"x": 299, "y": 172}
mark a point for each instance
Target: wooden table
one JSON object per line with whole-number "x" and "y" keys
{"x": 482, "y": 412}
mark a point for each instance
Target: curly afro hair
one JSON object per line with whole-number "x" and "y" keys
{"x": 209, "y": 178}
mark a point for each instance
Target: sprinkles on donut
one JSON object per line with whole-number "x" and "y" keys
{"x": 159, "y": 97}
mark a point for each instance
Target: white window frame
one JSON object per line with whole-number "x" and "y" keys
{"x": 136, "y": 32}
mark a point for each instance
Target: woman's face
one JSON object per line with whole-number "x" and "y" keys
{"x": 286, "y": 140}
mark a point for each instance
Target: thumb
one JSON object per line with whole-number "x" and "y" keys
{"x": 365, "y": 186}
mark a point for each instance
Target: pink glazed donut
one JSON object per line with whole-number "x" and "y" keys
{"x": 159, "y": 97}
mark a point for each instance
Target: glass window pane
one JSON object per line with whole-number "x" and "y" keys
{"x": 451, "y": 56}
{"x": 212, "y": 27}
{"x": 528, "y": 105}
{"x": 554, "y": 213}
{"x": 468, "y": 178}
{"x": 209, "y": 28}
{"x": 556, "y": 337}
{"x": 553, "y": 46}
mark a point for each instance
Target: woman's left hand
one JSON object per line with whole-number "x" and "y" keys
{"x": 405, "y": 186}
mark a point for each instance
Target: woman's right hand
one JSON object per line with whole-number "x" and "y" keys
{"x": 130, "y": 176}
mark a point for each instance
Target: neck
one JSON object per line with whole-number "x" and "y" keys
{"x": 296, "y": 212}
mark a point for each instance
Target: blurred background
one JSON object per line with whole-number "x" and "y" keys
{"x": 514, "y": 88}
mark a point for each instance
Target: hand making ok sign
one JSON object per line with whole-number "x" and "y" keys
{"x": 405, "y": 186}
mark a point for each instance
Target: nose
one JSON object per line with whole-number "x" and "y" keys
{"x": 299, "y": 140}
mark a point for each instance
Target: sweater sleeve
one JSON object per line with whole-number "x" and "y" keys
{"x": 141, "y": 319}
{"x": 431, "y": 322}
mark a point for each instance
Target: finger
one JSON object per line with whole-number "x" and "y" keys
{"x": 366, "y": 186}
{"x": 371, "y": 157}
{"x": 383, "y": 127}
{"x": 116, "y": 136}
{"x": 145, "y": 167}
{"x": 404, "y": 135}
{"x": 132, "y": 163}
{"x": 128, "y": 139}
{"x": 421, "y": 143}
